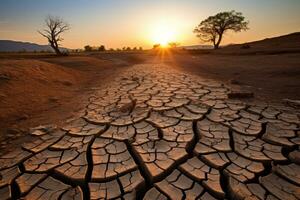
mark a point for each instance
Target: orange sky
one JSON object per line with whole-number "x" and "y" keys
{"x": 142, "y": 23}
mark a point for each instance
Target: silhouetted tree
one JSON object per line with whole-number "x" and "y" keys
{"x": 134, "y": 48}
{"x": 55, "y": 26}
{"x": 88, "y": 48}
{"x": 101, "y": 48}
{"x": 173, "y": 44}
{"x": 128, "y": 49}
{"x": 156, "y": 46}
{"x": 213, "y": 28}
{"x": 141, "y": 48}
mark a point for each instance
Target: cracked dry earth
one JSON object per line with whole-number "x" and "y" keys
{"x": 156, "y": 133}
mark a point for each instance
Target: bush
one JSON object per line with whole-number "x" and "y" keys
{"x": 245, "y": 46}
{"x": 65, "y": 53}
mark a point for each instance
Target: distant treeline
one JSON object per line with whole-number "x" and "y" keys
{"x": 89, "y": 48}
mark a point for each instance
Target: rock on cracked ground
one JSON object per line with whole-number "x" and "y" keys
{"x": 160, "y": 134}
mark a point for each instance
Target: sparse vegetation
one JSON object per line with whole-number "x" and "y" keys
{"x": 89, "y": 48}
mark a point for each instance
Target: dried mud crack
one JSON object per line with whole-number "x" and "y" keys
{"x": 158, "y": 134}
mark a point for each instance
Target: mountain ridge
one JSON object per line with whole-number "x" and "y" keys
{"x": 18, "y": 46}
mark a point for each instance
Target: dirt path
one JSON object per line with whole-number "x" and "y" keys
{"x": 156, "y": 133}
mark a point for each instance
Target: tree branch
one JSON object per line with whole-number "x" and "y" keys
{"x": 55, "y": 27}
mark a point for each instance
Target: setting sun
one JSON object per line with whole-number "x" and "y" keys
{"x": 162, "y": 34}
{"x": 150, "y": 99}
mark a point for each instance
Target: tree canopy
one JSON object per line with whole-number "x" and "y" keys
{"x": 213, "y": 28}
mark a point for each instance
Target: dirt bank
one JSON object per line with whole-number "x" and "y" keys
{"x": 46, "y": 90}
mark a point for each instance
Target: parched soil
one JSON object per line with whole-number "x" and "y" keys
{"x": 156, "y": 132}
{"x": 39, "y": 91}
{"x": 271, "y": 78}
{"x": 175, "y": 126}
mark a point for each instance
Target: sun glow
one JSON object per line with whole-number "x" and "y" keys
{"x": 162, "y": 34}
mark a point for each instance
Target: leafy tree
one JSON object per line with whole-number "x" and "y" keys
{"x": 213, "y": 28}
{"x": 173, "y": 44}
{"x": 101, "y": 48}
{"x": 55, "y": 26}
{"x": 88, "y": 48}
{"x": 156, "y": 46}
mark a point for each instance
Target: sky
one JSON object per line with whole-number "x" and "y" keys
{"x": 118, "y": 23}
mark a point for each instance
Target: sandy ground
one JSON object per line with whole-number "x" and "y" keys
{"x": 43, "y": 90}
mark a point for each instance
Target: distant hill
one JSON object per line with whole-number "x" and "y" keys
{"x": 16, "y": 46}
{"x": 285, "y": 43}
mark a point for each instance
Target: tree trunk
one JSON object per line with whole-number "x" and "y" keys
{"x": 216, "y": 46}
{"x": 214, "y": 42}
{"x": 56, "y": 49}
{"x": 54, "y": 45}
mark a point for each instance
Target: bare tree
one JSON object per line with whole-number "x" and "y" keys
{"x": 55, "y": 26}
{"x": 213, "y": 28}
